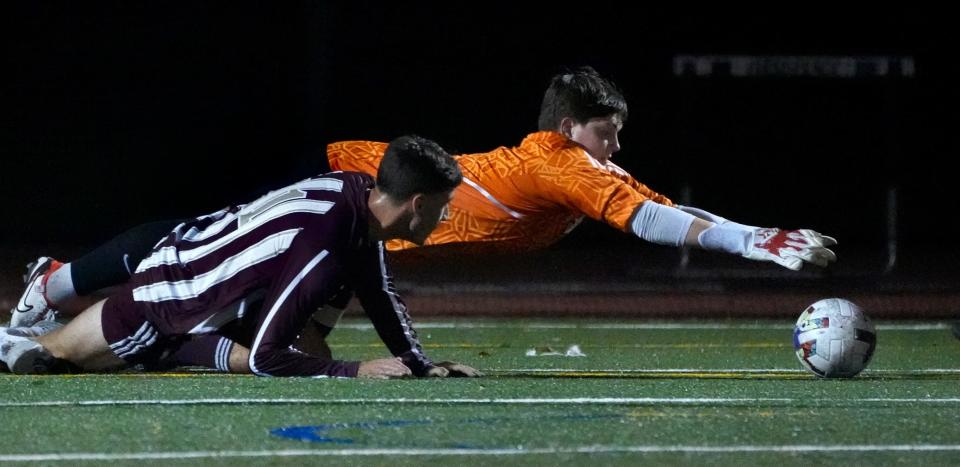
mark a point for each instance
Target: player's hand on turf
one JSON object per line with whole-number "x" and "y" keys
{"x": 458, "y": 370}
{"x": 437, "y": 372}
{"x": 383, "y": 368}
{"x": 790, "y": 248}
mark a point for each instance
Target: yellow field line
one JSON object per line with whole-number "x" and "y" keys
{"x": 657, "y": 375}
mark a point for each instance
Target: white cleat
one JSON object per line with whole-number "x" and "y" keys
{"x": 22, "y": 355}
{"x": 32, "y": 306}
{"x": 41, "y": 328}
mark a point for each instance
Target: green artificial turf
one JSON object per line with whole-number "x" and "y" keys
{"x": 722, "y": 393}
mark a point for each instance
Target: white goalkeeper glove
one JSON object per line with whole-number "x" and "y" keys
{"x": 788, "y": 248}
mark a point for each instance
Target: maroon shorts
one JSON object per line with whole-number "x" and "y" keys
{"x": 128, "y": 332}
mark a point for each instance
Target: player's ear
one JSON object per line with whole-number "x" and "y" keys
{"x": 566, "y": 127}
{"x": 416, "y": 202}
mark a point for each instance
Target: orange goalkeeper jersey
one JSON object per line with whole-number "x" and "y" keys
{"x": 523, "y": 197}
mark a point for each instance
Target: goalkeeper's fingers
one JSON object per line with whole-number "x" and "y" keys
{"x": 816, "y": 255}
{"x": 811, "y": 238}
{"x": 789, "y": 261}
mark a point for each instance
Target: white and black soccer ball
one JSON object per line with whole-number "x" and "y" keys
{"x": 834, "y": 338}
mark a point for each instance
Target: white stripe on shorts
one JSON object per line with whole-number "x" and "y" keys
{"x": 145, "y": 336}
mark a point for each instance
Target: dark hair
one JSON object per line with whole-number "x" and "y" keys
{"x": 413, "y": 165}
{"x": 580, "y": 94}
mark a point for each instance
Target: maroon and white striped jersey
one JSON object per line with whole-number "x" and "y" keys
{"x": 298, "y": 246}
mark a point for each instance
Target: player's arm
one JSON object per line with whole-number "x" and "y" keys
{"x": 695, "y": 227}
{"x": 788, "y": 248}
{"x": 389, "y": 316}
{"x": 610, "y": 195}
{"x": 290, "y": 301}
{"x": 222, "y": 353}
{"x": 304, "y": 284}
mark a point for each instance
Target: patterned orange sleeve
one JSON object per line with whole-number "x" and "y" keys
{"x": 356, "y": 156}
{"x": 616, "y": 171}
{"x": 605, "y": 193}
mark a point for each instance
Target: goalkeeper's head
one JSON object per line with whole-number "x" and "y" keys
{"x": 581, "y": 94}
{"x": 586, "y": 108}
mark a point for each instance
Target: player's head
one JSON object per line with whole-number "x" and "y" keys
{"x": 419, "y": 177}
{"x": 586, "y": 108}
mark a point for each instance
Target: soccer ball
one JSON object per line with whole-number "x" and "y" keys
{"x": 834, "y": 338}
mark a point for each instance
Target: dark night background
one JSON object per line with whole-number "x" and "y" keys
{"x": 123, "y": 112}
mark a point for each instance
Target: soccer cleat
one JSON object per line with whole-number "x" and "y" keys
{"x": 32, "y": 306}
{"x": 22, "y": 355}
{"x": 41, "y": 328}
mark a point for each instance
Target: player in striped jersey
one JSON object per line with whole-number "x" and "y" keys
{"x": 296, "y": 248}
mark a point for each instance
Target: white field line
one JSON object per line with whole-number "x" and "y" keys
{"x": 627, "y": 326}
{"x": 641, "y": 449}
{"x": 516, "y": 401}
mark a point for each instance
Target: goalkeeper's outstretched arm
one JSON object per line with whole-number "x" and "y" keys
{"x": 688, "y": 226}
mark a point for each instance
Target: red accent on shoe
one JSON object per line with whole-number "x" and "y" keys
{"x": 54, "y": 265}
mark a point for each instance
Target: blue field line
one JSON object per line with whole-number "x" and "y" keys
{"x": 515, "y": 451}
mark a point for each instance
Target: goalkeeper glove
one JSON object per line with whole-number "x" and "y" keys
{"x": 788, "y": 248}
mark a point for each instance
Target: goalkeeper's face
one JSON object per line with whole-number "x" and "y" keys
{"x": 598, "y": 136}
